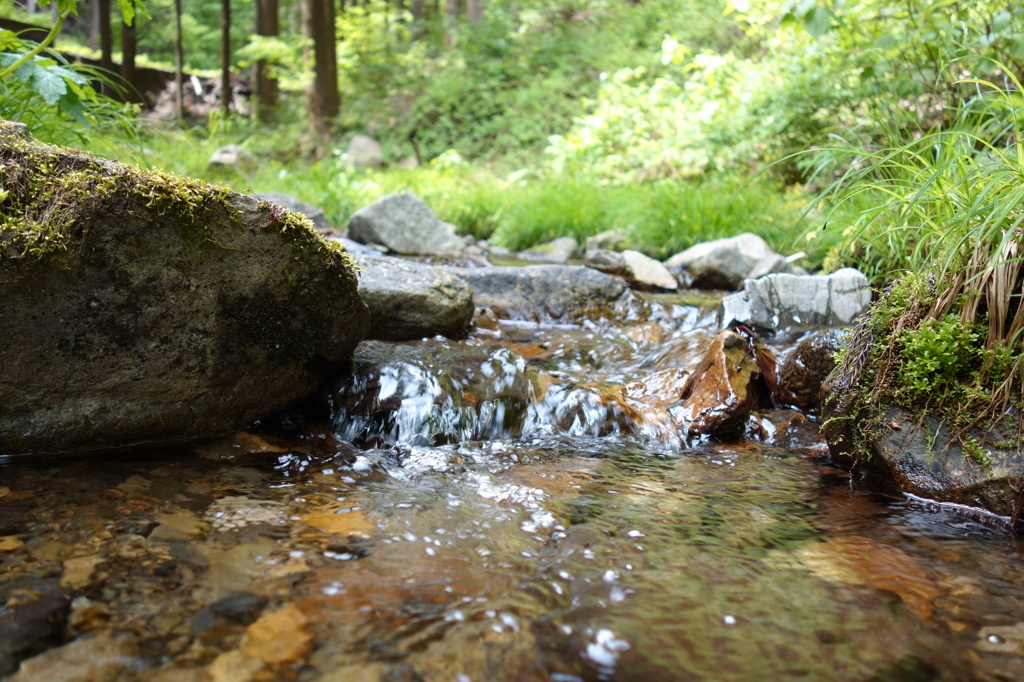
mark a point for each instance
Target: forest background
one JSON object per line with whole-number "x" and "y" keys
{"x": 859, "y": 132}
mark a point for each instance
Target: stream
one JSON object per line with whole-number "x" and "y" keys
{"x": 518, "y": 506}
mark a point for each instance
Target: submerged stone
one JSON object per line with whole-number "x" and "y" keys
{"x": 803, "y": 371}
{"x": 138, "y": 307}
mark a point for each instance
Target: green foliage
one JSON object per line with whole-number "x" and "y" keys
{"x": 58, "y": 100}
{"x": 937, "y": 355}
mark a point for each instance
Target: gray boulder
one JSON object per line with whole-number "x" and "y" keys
{"x": 404, "y": 224}
{"x": 365, "y": 152}
{"x": 409, "y": 300}
{"x": 297, "y": 205}
{"x": 722, "y": 263}
{"x": 779, "y": 301}
{"x": 546, "y": 293}
{"x": 140, "y": 308}
{"x": 556, "y": 251}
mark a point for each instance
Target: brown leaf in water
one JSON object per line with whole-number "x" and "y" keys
{"x": 9, "y": 543}
{"x": 4, "y": 491}
{"x": 352, "y": 524}
{"x": 279, "y": 637}
{"x": 18, "y": 495}
{"x": 859, "y": 561}
{"x": 234, "y": 666}
{"x": 78, "y": 570}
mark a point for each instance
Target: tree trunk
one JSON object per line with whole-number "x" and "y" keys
{"x": 106, "y": 41}
{"x": 179, "y": 67}
{"x": 129, "y": 47}
{"x": 225, "y": 55}
{"x": 419, "y": 19}
{"x": 475, "y": 11}
{"x": 266, "y": 86}
{"x": 452, "y": 9}
{"x": 323, "y": 101}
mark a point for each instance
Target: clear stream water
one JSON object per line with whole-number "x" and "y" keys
{"x": 485, "y": 526}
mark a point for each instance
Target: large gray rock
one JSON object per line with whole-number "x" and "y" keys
{"x": 779, "y": 301}
{"x": 722, "y": 263}
{"x": 405, "y": 224}
{"x": 545, "y": 293}
{"x": 315, "y": 214}
{"x": 139, "y": 307}
{"x": 409, "y": 300}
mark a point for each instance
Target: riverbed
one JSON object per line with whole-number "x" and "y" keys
{"x": 576, "y": 537}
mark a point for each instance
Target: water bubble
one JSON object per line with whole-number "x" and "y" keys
{"x": 729, "y": 620}
{"x": 995, "y": 639}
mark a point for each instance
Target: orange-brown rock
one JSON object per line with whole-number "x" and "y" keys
{"x": 721, "y": 392}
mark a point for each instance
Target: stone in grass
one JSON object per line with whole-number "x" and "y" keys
{"x": 403, "y": 223}
{"x": 556, "y": 251}
{"x": 409, "y": 300}
{"x": 139, "y": 308}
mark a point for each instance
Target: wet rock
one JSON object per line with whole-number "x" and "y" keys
{"x": 142, "y": 308}
{"x": 557, "y": 251}
{"x": 27, "y": 628}
{"x": 545, "y": 293}
{"x": 722, "y": 263}
{"x": 720, "y": 394}
{"x": 409, "y": 300}
{"x": 365, "y": 152}
{"x": 803, "y": 371}
{"x": 99, "y": 658}
{"x": 769, "y": 265}
{"x": 431, "y": 393}
{"x": 315, "y": 214}
{"x": 982, "y": 467}
{"x": 779, "y": 301}
{"x": 404, "y": 224}
{"x": 238, "y": 608}
{"x": 233, "y": 157}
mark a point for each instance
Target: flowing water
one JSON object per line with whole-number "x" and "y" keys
{"x": 516, "y": 507}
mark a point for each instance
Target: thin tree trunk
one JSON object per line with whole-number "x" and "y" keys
{"x": 452, "y": 9}
{"x": 266, "y": 87}
{"x": 419, "y": 17}
{"x": 323, "y": 102}
{"x": 129, "y": 47}
{"x": 179, "y": 67}
{"x": 106, "y": 40}
{"x": 225, "y": 55}
{"x": 475, "y": 11}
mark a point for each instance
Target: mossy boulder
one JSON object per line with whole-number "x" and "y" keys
{"x": 138, "y": 307}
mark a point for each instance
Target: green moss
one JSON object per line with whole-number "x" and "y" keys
{"x": 52, "y": 194}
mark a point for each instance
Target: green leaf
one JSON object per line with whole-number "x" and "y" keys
{"x": 9, "y": 40}
{"x": 49, "y": 85}
{"x": 818, "y": 21}
{"x": 127, "y": 10}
